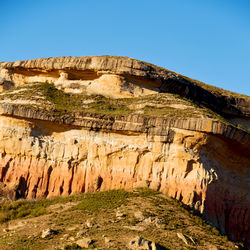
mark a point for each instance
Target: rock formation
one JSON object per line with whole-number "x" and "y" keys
{"x": 194, "y": 149}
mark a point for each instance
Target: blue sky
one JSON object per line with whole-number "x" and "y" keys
{"x": 205, "y": 40}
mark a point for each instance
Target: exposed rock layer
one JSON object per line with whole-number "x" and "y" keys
{"x": 202, "y": 162}
{"x": 130, "y": 77}
{"x": 45, "y": 159}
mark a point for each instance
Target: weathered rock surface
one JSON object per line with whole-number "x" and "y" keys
{"x": 140, "y": 243}
{"x": 202, "y": 162}
{"x": 84, "y": 242}
{"x": 206, "y": 171}
{"x": 48, "y": 232}
{"x": 118, "y": 77}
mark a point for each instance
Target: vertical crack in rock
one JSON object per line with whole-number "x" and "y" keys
{"x": 48, "y": 174}
{"x": 5, "y": 169}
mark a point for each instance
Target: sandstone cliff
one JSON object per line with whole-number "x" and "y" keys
{"x": 61, "y": 137}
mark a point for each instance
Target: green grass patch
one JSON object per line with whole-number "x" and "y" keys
{"x": 112, "y": 199}
{"x": 90, "y": 202}
{"x": 65, "y": 102}
{"x": 174, "y": 221}
{"x": 10, "y": 210}
{"x": 108, "y": 107}
{"x": 94, "y": 202}
{"x": 19, "y": 209}
{"x": 168, "y": 111}
{"x": 61, "y": 100}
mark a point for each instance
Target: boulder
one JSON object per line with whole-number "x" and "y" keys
{"x": 84, "y": 242}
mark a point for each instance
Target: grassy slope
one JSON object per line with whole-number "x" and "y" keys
{"x": 158, "y": 105}
{"x": 26, "y": 220}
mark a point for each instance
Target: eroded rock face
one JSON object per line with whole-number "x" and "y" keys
{"x": 200, "y": 161}
{"x": 45, "y": 159}
{"x": 109, "y": 76}
{"x": 118, "y": 77}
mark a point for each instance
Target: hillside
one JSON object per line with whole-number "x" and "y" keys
{"x": 111, "y": 220}
{"x": 74, "y": 125}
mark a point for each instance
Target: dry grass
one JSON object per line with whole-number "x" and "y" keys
{"x": 47, "y": 98}
{"x": 69, "y": 216}
{"x": 54, "y": 100}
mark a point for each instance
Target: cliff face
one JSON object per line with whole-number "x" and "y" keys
{"x": 199, "y": 160}
{"x": 119, "y": 77}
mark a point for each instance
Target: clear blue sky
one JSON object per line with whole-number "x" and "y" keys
{"x": 208, "y": 40}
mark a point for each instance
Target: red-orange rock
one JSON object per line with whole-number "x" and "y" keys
{"x": 206, "y": 172}
{"x": 201, "y": 161}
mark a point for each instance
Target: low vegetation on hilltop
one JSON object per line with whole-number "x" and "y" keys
{"x": 110, "y": 219}
{"x": 46, "y": 96}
